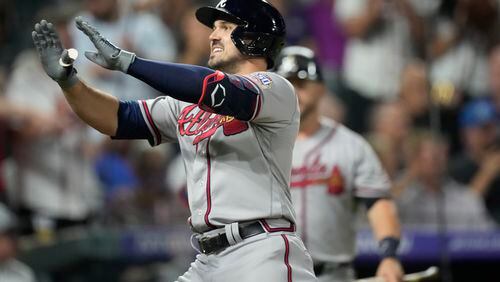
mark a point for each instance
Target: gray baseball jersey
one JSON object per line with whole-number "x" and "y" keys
{"x": 236, "y": 171}
{"x": 330, "y": 169}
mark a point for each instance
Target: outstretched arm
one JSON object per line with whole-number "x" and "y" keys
{"x": 94, "y": 107}
{"x": 213, "y": 91}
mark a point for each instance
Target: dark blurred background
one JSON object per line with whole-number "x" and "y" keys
{"x": 420, "y": 79}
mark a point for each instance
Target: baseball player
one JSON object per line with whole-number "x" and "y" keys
{"x": 333, "y": 168}
{"x": 235, "y": 123}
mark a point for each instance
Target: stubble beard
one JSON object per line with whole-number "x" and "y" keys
{"x": 229, "y": 65}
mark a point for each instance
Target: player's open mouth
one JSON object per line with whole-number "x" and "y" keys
{"x": 217, "y": 50}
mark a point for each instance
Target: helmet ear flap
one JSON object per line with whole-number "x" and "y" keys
{"x": 237, "y": 38}
{"x": 256, "y": 44}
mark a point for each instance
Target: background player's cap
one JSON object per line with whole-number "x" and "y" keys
{"x": 261, "y": 29}
{"x": 298, "y": 62}
{"x": 478, "y": 113}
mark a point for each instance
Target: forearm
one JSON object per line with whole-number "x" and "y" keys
{"x": 94, "y": 107}
{"x": 384, "y": 219}
{"x": 481, "y": 181}
{"x": 200, "y": 85}
{"x": 182, "y": 82}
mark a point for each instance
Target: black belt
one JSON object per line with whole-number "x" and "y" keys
{"x": 214, "y": 244}
{"x": 320, "y": 267}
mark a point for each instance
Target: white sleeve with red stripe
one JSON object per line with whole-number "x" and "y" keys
{"x": 160, "y": 115}
{"x": 370, "y": 180}
{"x": 277, "y": 103}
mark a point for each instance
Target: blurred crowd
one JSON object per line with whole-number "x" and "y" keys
{"x": 420, "y": 79}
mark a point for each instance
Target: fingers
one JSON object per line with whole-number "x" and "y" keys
{"x": 89, "y": 30}
{"x": 53, "y": 36}
{"x": 36, "y": 41}
{"x": 40, "y": 37}
{"x": 45, "y": 31}
{"x": 45, "y": 35}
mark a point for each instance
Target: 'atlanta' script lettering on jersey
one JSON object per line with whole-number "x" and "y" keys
{"x": 317, "y": 173}
{"x": 194, "y": 121}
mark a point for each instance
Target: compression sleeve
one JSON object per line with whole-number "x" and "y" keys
{"x": 131, "y": 123}
{"x": 213, "y": 91}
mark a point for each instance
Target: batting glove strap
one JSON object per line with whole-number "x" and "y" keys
{"x": 71, "y": 80}
{"x": 126, "y": 59}
{"x": 388, "y": 247}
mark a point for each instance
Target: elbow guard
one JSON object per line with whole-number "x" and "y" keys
{"x": 230, "y": 95}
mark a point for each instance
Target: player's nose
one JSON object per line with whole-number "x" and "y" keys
{"x": 214, "y": 36}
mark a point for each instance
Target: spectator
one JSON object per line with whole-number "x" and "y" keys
{"x": 461, "y": 45}
{"x": 11, "y": 270}
{"x": 478, "y": 166}
{"x": 426, "y": 193}
{"x": 145, "y": 34}
{"x": 414, "y": 93}
{"x": 379, "y": 35}
{"x": 141, "y": 33}
{"x": 120, "y": 182}
{"x": 494, "y": 78}
{"x": 389, "y": 130}
{"x": 195, "y": 47}
{"x": 172, "y": 11}
{"x": 54, "y": 184}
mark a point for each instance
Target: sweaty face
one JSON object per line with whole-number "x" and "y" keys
{"x": 224, "y": 55}
{"x": 309, "y": 94}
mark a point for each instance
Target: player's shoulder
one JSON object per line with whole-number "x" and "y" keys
{"x": 163, "y": 102}
{"x": 270, "y": 81}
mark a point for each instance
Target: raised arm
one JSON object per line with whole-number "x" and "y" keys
{"x": 94, "y": 107}
{"x": 213, "y": 91}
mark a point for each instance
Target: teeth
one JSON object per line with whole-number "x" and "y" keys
{"x": 217, "y": 50}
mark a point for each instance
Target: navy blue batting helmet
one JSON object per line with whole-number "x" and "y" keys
{"x": 261, "y": 29}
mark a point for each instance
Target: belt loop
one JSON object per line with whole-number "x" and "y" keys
{"x": 232, "y": 233}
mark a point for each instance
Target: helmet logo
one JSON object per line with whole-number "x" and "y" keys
{"x": 221, "y": 4}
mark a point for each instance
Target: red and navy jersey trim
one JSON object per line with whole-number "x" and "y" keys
{"x": 208, "y": 188}
{"x": 150, "y": 122}
{"x": 287, "y": 258}
{"x": 270, "y": 229}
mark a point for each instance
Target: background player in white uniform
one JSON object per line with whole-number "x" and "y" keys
{"x": 236, "y": 131}
{"x": 333, "y": 168}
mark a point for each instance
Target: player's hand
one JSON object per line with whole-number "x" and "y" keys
{"x": 57, "y": 61}
{"x": 390, "y": 270}
{"x": 108, "y": 55}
